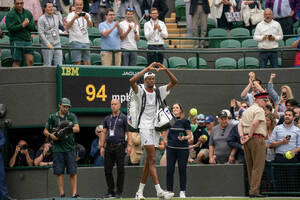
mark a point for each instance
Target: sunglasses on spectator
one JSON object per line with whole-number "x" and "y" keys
{"x": 130, "y": 9}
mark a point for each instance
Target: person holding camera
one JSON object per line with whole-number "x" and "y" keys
{"x": 60, "y": 127}
{"x": 112, "y": 148}
{"x": 23, "y": 155}
{"x": 267, "y": 34}
{"x": 78, "y": 23}
{"x": 44, "y": 156}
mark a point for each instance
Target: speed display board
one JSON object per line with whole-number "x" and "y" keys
{"x": 91, "y": 88}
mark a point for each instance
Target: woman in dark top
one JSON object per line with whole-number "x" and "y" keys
{"x": 177, "y": 149}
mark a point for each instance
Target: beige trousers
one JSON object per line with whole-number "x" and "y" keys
{"x": 202, "y": 16}
{"x": 107, "y": 58}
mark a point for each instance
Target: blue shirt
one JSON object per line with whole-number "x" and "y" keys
{"x": 281, "y": 132}
{"x": 179, "y": 128}
{"x": 112, "y": 41}
{"x": 119, "y": 128}
{"x": 298, "y": 43}
{"x": 95, "y": 153}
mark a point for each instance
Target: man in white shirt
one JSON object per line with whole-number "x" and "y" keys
{"x": 155, "y": 33}
{"x": 77, "y": 24}
{"x": 268, "y": 33}
{"x": 129, "y": 38}
{"x": 149, "y": 137}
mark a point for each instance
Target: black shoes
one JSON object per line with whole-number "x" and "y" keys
{"x": 118, "y": 196}
{"x": 257, "y": 196}
{"x": 109, "y": 196}
{"x": 62, "y": 196}
{"x": 76, "y": 196}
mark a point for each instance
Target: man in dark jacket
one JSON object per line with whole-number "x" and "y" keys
{"x": 161, "y": 6}
{"x": 199, "y": 10}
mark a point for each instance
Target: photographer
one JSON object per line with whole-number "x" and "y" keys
{"x": 23, "y": 155}
{"x": 43, "y": 156}
{"x": 60, "y": 127}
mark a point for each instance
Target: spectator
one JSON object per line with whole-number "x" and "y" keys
{"x": 245, "y": 10}
{"x": 160, "y": 5}
{"x": 224, "y": 6}
{"x": 136, "y": 152}
{"x": 78, "y": 23}
{"x": 114, "y": 131}
{"x": 209, "y": 123}
{"x": 286, "y": 93}
{"x": 200, "y": 141}
{"x": 20, "y": 24}
{"x": 34, "y": 6}
{"x": 252, "y": 130}
{"x": 134, "y": 5}
{"x": 178, "y": 149}
{"x": 233, "y": 141}
{"x": 284, "y": 138}
{"x": 284, "y": 11}
{"x": 95, "y": 150}
{"x": 64, "y": 153}
{"x": 49, "y": 36}
{"x": 3, "y": 189}
{"x": 80, "y": 154}
{"x": 23, "y": 155}
{"x": 44, "y": 156}
{"x": 199, "y": 11}
{"x": 188, "y": 17}
{"x": 267, "y": 34}
{"x": 155, "y": 33}
{"x": 129, "y": 38}
{"x": 98, "y": 11}
{"x": 111, "y": 32}
{"x": 57, "y": 9}
{"x": 71, "y": 9}
{"x": 219, "y": 151}
{"x": 255, "y": 84}
{"x": 296, "y": 44}
{"x": 289, "y": 104}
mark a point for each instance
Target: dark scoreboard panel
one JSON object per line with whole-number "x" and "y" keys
{"x": 91, "y": 88}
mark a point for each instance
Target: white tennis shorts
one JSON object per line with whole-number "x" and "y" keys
{"x": 149, "y": 137}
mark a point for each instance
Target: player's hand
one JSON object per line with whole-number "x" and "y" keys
{"x": 161, "y": 67}
{"x": 152, "y": 66}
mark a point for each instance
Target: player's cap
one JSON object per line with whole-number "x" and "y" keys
{"x": 146, "y": 75}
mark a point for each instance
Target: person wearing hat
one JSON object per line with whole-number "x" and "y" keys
{"x": 201, "y": 138}
{"x": 149, "y": 137}
{"x": 253, "y": 130}
{"x": 95, "y": 150}
{"x": 209, "y": 123}
{"x": 219, "y": 151}
{"x": 64, "y": 153}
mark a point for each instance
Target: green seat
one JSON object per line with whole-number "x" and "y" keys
{"x": 166, "y": 63}
{"x": 211, "y": 23}
{"x": 248, "y": 63}
{"x": 177, "y": 62}
{"x": 166, "y": 45}
{"x": 180, "y": 12}
{"x": 281, "y": 43}
{"x": 97, "y": 42}
{"x": 6, "y": 58}
{"x": 64, "y": 40}
{"x": 5, "y": 39}
{"x": 91, "y": 43}
{"x": 68, "y": 59}
{"x": 3, "y": 27}
{"x": 192, "y": 63}
{"x": 225, "y": 63}
{"x": 230, "y": 44}
{"x": 290, "y": 41}
{"x": 93, "y": 33}
{"x": 142, "y": 44}
{"x": 95, "y": 59}
{"x": 37, "y": 59}
{"x": 142, "y": 23}
{"x": 141, "y": 61}
{"x": 296, "y": 26}
{"x": 239, "y": 32}
{"x": 279, "y": 63}
{"x": 179, "y": 3}
{"x": 239, "y": 24}
{"x": 249, "y": 43}
{"x": 36, "y": 40}
{"x": 216, "y": 32}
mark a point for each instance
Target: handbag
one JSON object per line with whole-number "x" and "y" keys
{"x": 256, "y": 15}
{"x": 233, "y": 16}
{"x": 164, "y": 117}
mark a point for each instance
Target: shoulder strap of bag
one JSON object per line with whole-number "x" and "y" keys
{"x": 143, "y": 105}
{"x": 158, "y": 98}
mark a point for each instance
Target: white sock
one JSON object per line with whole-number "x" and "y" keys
{"x": 158, "y": 188}
{"x": 141, "y": 188}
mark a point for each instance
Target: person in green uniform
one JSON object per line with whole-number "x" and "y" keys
{"x": 64, "y": 153}
{"x": 20, "y": 24}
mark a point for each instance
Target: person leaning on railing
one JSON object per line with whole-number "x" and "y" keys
{"x": 296, "y": 44}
